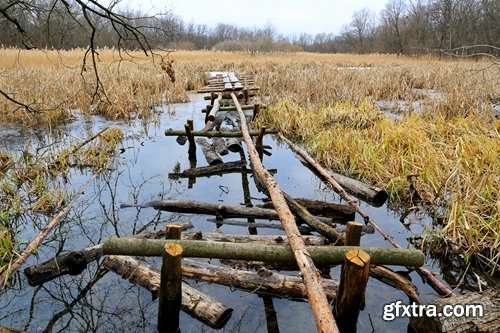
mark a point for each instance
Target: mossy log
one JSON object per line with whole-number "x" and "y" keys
{"x": 322, "y": 255}
{"x": 223, "y": 211}
{"x": 197, "y": 304}
{"x": 261, "y": 281}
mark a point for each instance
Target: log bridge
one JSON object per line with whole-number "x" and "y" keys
{"x": 232, "y": 95}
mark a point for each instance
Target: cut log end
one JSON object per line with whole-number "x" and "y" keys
{"x": 173, "y": 249}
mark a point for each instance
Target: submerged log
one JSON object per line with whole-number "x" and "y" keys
{"x": 212, "y": 170}
{"x": 322, "y": 255}
{"x": 220, "y": 147}
{"x": 210, "y": 155}
{"x": 259, "y": 239}
{"x": 215, "y": 134}
{"x": 197, "y": 304}
{"x": 262, "y": 281}
{"x": 481, "y": 313}
{"x": 75, "y": 262}
{"x": 234, "y": 145}
{"x": 302, "y": 229}
{"x": 197, "y": 207}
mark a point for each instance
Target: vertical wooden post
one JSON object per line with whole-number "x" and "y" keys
{"x": 256, "y": 110}
{"x": 207, "y": 113}
{"x": 258, "y": 142}
{"x": 192, "y": 143}
{"x": 190, "y": 123}
{"x": 353, "y": 233}
{"x": 353, "y": 280}
{"x": 213, "y": 96}
{"x": 245, "y": 94}
{"x": 173, "y": 231}
{"x": 170, "y": 295}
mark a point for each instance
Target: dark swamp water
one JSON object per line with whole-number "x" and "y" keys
{"x": 103, "y": 302}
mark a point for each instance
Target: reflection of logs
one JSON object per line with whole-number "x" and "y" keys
{"x": 197, "y": 304}
{"x": 262, "y": 281}
{"x": 210, "y": 155}
{"x": 197, "y": 207}
{"x": 260, "y": 239}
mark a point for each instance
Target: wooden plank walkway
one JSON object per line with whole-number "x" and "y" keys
{"x": 228, "y": 82}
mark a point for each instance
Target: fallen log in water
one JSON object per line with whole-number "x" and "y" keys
{"x": 215, "y": 134}
{"x": 322, "y": 255}
{"x": 259, "y": 239}
{"x": 211, "y": 170}
{"x": 395, "y": 280}
{"x": 262, "y": 281}
{"x": 477, "y": 312}
{"x": 210, "y": 155}
{"x": 320, "y": 208}
{"x": 215, "y": 108}
{"x": 225, "y": 211}
{"x": 302, "y": 229}
{"x": 199, "y": 305}
{"x": 234, "y": 145}
{"x": 220, "y": 147}
{"x": 75, "y": 262}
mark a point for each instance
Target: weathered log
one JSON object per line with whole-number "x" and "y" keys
{"x": 353, "y": 233}
{"x": 483, "y": 316}
{"x": 322, "y": 255}
{"x": 262, "y": 281}
{"x": 234, "y": 145}
{"x": 207, "y": 171}
{"x": 351, "y": 293}
{"x": 220, "y": 147}
{"x": 215, "y": 134}
{"x": 322, "y": 208}
{"x": 424, "y": 272}
{"x": 170, "y": 294}
{"x": 197, "y": 304}
{"x": 323, "y": 228}
{"x": 74, "y": 262}
{"x": 302, "y": 229}
{"x": 395, "y": 280}
{"x": 259, "y": 239}
{"x": 215, "y": 108}
{"x": 210, "y": 155}
{"x": 197, "y": 207}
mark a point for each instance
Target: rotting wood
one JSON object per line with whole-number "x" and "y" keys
{"x": 234, "y": 145}
{"x": 220, "y": 147}
{"x": 351, "y": 293}
{"x": 210, "y": 155}
{"x": 35, "y": 243}
{"x": 317, "y": 298}
{"x": 197, "y": 207}
{"x": 74, "y": 262}
{"x": 323, "y": 255}
{"x": 211, "y": 170}
{"x": 484, "y": 314}
{"x": 302, "y": 229}
{"x": 321, "y": 208}
{"x": 424, "y": 272}
{"x": 170, "y": 293}
{"x": 195, "y": 303}
{"x": 259, "y": 239}
{"x": 395, "y": 280}
{"x": 261, "y": 281}
{"x": 215, "y": 108}
{"x": 214, "y": 134}
{"x": 323, "y": 228}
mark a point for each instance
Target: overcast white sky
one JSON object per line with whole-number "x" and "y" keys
{"x": 288, "y": 16}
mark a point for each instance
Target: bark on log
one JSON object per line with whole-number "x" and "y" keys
{"x": 207, "y": 171}
{"x": 302, "y": 229}
{"x": 74, "y": 262}
{"x": 197, "y": 304}
{"x": 170, "y": 294}
{"x": 395, "y": 280}
{"x": 210, "y": 155}
{"x": 323, "y": 228}
{"x": 215, "y": 108}
{"x": 488, "y": 322}
{"x": 215, "y": 134}
{"x": 197, "y": 207}
{"x": 322, "y": 255}
{"x": 262, "y": 281}
{"x": 259, "y": 239}
{"x": 321, "y": 208}
{"x": 424, "y": 272}
{"x": 220, "y": 147}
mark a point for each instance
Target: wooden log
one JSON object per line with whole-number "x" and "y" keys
{"x": 302, "y": 229}
{"x": 424, "y": 272}
{"x": 256, "y": 110}
{"x": 220, "y": 147}
{"x": 197, "y": 207}
{"x": 211, "y": 170}
{"x": 271, "y": 316}
{"x": 192, "y": 144}
{"x": 395, "y": 280}
{"x": 323, "y": 255}
{"x": 214, "y": 134}
{"x": 234, "y": 145}
{"x": 262, "y": 281}
{"x": 259, "y": 239}
{"x": 483, "y": 314}
{"x": 215, "y": 108}
{"x": 210, "y": 155}
{"x": 173, "y": 231}
{"x": 353, "y": 233}
{"x": 233, "y": 108}
{"x": 351, "y": 294}
{"x": 322, "y": 208}
{"x": 74, "y": 262}
{"x": 323, "y": 228}
{"x": 170, "y": 295}
{"x": 195, "y": 303}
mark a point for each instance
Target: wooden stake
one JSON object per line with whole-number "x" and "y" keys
{"x": 170, "y": 296}
{"x": 353, "y": 280}
{"x": 173, "y": 231}
{"x": 353, "y": 234}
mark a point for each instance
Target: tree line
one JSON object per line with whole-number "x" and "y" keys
{"x": 404, "y": 27}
